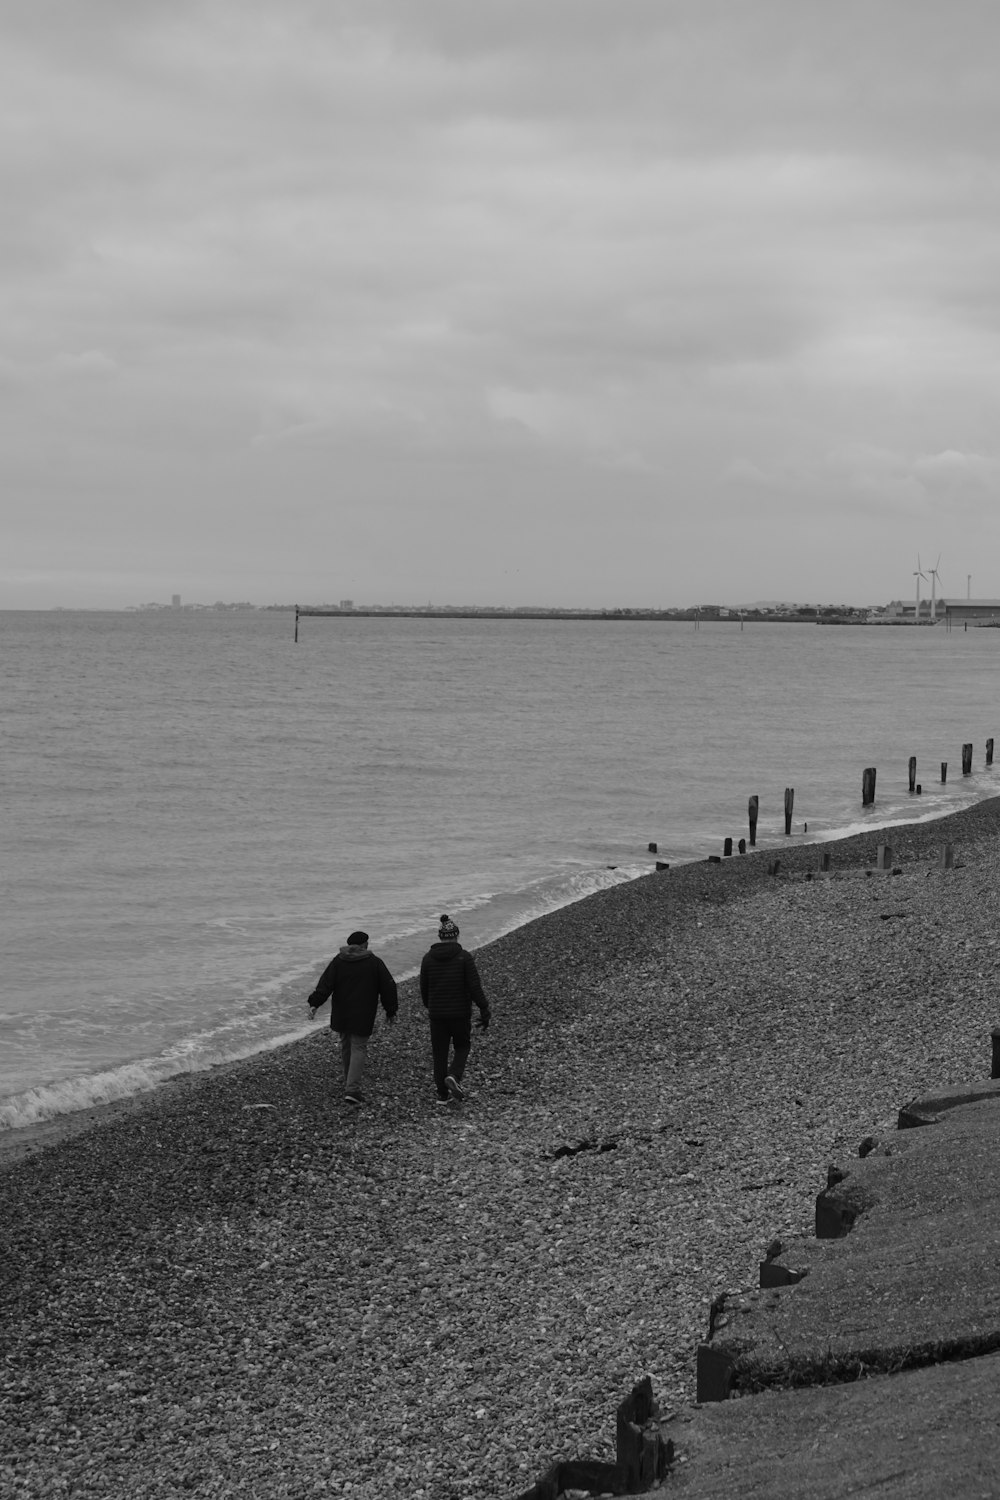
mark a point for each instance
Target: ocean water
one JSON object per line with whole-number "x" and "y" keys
{"x": 197, "y": 810}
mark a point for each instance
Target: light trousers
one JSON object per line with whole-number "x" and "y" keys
{"x": 354, "y": 1053}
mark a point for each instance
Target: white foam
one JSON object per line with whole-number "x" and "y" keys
{"x": 566, "y": 893}
{"x": 47, "y": 1101}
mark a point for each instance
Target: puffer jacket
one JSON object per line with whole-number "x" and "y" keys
{"x": 354, "y": 983}
{"x": 450, "y": 983}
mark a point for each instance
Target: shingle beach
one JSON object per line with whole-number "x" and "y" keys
{"x": 236, "y": 1286}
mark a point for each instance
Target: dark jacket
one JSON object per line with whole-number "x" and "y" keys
{"x": 449, "y": 983}
{"x": 354, "y": 983}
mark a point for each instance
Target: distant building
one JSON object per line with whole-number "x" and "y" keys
{"x": 946, "y": 611}
{"x": 347, "y": 603}
{"x": 969, "y": 611}
{"x": 176, "y": 601}
{"x": 904, "y": 611}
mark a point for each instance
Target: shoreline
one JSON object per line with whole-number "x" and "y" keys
{"x": 17, "y": 1142}
{"x": 237, "y": 1285}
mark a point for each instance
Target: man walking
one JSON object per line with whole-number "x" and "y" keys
{"x": 354, "y": 983}
{"x": 449, "y": 984}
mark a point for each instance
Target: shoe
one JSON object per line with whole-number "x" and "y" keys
{"x": 445, "y": 1101}
{"x": 454, "y": 1088}
{"x": 355, "y": 1097}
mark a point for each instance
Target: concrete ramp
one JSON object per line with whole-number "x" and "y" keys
{"x": 932, "y": 1434}
{"x": 875, "y": 1368}
{"x": 905, "y": 1271}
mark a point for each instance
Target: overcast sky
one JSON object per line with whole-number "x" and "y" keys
{"x": 595, "y": 302}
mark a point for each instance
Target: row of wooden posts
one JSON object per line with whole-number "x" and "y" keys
{"x": 868, "y": 787}
{"x": 966, "y": 767}
{"x": 867, "y": 797}
{"x": 868, "y": 779}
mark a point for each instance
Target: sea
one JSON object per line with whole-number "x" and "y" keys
{"x": 197, "y": 808}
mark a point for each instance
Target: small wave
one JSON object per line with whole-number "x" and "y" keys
{"x": 577, "y": 879}
{"x": 931, "y": 811}
{"x": 548, "y": 897}
{"x": 47, "y": 1101}
{"x": 501, "y": 912}
{"x": 851, "y": 830}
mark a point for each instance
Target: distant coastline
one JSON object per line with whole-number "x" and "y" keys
{"x": 979, "y": 613}
{"x": 808, "y": 614}
{"x": 824, "y": 614}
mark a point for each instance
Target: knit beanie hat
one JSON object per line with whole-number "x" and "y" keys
{"x": 357, "y": 940}
{"x": 447, "y": 932}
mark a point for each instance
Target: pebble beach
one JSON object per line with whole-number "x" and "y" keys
{"x": 238, "y": 1285}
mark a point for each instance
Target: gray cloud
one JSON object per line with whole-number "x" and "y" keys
{"x": 722, "y": 275}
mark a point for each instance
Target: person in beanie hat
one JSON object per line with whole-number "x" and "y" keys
{"x": 354, "y": 983}
{"x": 449, "y": 986}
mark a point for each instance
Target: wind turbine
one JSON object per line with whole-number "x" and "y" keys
{"x": 918, "y": 575}
{"x": 934, "y": 584}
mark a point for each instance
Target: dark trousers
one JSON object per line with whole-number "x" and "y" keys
{"x": 446, "y": 1030}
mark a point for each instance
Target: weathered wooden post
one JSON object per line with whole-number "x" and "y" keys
{"x": 825, "y": 861}
{"x": 752, "y": 808}
{"x": 742, "y": 846}
{"x": 913, "y": 772}
{"x": 652, "y": 848}
{"x": 944, "y": 772}
{"x": 296, "y": 624}
{"x": 883, "y": 857}
{"x": 643, "y": 1456}
{"x": 989, "y": 752}
{"x": 727, "y": 847}
{"x": 789, "y": 804}
{"x": 868, "y": 786}
{"x": 966, "y": 760}
{"x": 995, "y": 1037}
{"x": 946, "y": 857}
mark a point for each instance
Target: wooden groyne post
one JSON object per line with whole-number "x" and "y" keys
{"x": 752, "y": 809}
{"x": 944, "y": 772}
{"x": 643, "y": 1455}
{"x": 913, "y": 773}
{"x": 868, "y": 787}
{"x": 789, "y": 804}
{"x": 989, "y": 752}
{"x": 966, "y": 760}
{"x": 296, "y": 624}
